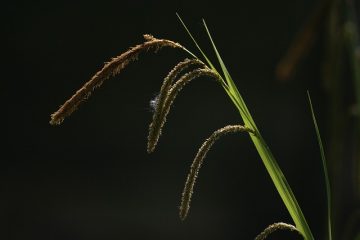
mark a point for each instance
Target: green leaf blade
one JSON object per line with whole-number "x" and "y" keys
{"x": 266, "y": 156}
{"x": 195, "y": 42}
{"x": 326, "y": 176}
{"x": 268, "y": 159}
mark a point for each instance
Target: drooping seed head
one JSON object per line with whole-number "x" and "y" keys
{"x": 198, "y": 160}
{"x": 110, "y": 69}
{"x": 157, "y": 104}
{"x": 275, "y": 227}
{"x": 159, "y": 120}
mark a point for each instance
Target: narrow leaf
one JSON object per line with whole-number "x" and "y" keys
{"x": 196, "y": 44}
{"x": 267, "y": 157}
{"x": 327, "y": 180}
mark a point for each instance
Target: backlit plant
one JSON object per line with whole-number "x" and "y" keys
{"x": 182, "y": 74}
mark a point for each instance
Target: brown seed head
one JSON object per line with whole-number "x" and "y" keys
{"x": 198, "y": 160}
{"x": 110, "y": 69}
{"x": 275, "y": 227}
{"x": 156, "y": 126}
{"x": 168, "y": 80}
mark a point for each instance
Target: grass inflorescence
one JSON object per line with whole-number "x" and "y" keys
{"x": 110, "y": 68}
{"x": 183, "y": 73}
{"x": 198, "y": 160}
{"x": 275, "y": 227}
{"x": 168, "y": 93}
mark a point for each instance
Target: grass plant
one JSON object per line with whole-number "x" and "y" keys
{"x": 173, "y": 83}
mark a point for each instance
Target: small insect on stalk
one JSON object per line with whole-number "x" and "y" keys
{"x": 157, "y": 104}
{"x": 182, "y": 74}
{"x": 154, "y": 103}
{"x": 166, "y": 98}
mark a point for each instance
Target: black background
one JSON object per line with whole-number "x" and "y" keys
{"x": 91, "y": 178}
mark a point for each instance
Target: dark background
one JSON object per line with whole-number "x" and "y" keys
{"x": 91, "y": 178}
